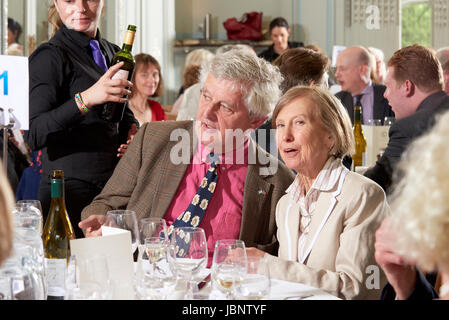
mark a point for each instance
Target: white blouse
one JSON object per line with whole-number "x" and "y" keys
{"x": 326, "y": 180}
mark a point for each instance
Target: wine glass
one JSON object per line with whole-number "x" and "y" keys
{"x": 158, "y": 278}
{"x": 256, "y": 284}
{"x": 87, "y": 278}
{"x": 229, "y": 265}
{"x": 149, "y": 228}
{"x": 127, "y": 220}
{"x": 189, "y": 256}
{"x": 28, "y": 213}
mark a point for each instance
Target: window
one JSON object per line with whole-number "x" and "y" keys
{"x": 416, "y": 22}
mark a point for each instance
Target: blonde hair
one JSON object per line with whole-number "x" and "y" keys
{"x": 6, "y": 226}
{"x": 198, "y": 57}
{"x": 258, "y": 80}
{"x": 419, "y": 202}
{"x": 329, "y": 110}
{"x": 54, "y": 19}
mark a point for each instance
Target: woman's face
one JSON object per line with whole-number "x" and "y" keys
{"x": 279, "y": 36}
{"x": 80, "y": 15}
{"x": 146, "y": 80}
{"x": 11, "y": 37}
{"x": 303, "y": 142}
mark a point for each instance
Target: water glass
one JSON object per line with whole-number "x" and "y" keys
{"x": 150, "y": 228}
{"x": 87, "y": 278}
{"x": 189, "y": 256}
{"x": 229, "y": 266}
{"x": 28, "y": 215}
{"x": 127, "y": 220}
{"x": 256, "y": 284}
{"x": 158, "y": 278}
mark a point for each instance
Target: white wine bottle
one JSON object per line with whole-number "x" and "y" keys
{"x": 56, "y": 236}
{"x": 112, "y": 111}
{"x": 359, "y": 158}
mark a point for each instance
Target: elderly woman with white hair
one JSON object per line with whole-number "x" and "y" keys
{"x": 416, "y": 237}
{"x": 327, "y": 220}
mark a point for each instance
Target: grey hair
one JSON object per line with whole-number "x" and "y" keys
{"x": 443, "y": 55}
{"x": 257, "y": 79}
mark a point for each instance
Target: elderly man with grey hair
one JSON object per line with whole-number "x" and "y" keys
{"x": 165, "y": 165}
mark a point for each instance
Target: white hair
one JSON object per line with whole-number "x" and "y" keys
{"x": 6, "y": 224}
{"x": 257, "y": 79}
{"x": 419, "y": 203}
{"x": 443, "y": 55}
{"x": 198, "y": 57}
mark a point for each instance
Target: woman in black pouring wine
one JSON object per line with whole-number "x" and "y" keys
{"x": 70, "y": 83}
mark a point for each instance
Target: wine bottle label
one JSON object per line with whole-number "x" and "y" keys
{"x": 129, "y": 37}
{"x": 121, "y": 74}
{"x": 55, "y": 272}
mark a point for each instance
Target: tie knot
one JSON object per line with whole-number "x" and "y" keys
{"x": 94, "y": 45}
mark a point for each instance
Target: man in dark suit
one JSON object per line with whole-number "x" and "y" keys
{"x": 354, "y": 76}
{"x": 159, "y": 176}
{"x": 415, "y": 91}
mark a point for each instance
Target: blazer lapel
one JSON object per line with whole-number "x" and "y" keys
{"x": 324, "y": 207}
{"x": 378, "y": 112}
{"x": 349, "y": 102}
{"x": 255, "y": 195}
{"x": 169, "y": 177}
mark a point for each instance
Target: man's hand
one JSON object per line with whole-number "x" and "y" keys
{"x": 92, "y": 225}
{"x": 401, "y": 274}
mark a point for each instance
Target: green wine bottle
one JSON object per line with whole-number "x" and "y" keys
{"x": 113, "y": 111}
{"x": 56, "y": 236}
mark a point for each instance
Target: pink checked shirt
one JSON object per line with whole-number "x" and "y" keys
{"x": 223, "y": 217}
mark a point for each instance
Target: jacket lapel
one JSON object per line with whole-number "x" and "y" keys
{"x": 378, "y": 106}
{"x": 256, "y": 193}
{"x": 169, "y": 176}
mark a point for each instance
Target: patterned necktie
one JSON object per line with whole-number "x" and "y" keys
{"x": 197, "y": 208}
{"x": 99, "y": 58}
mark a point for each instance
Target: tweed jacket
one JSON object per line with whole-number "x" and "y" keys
{"x": 341, "y": 260}
{"x": 146, "y": 180}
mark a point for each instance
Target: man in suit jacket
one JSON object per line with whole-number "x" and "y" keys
{"x": 159, "y": 176}
{"x": 415, "y": 91}
{"x": 354, "y": 76}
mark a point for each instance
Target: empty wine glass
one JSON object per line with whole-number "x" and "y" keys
{"x": 189, "y": 256}
{"x": 158, "y": 278}
{"x": 127, "y": 220}
{"x": 29, "y": 215}
{"x": 229, "y": 265}
{"x": 87, "y": 278}
{"x": 256, "y": 283}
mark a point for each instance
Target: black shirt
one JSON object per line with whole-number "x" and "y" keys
{"x": 270, "y": 55}
{"x": 84, "y": 146}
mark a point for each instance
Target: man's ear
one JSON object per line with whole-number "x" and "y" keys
{"x": 408, "y": 88}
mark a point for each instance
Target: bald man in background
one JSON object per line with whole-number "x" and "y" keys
{"x": 353, "y": 75}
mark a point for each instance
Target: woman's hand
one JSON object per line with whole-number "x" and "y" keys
{"x": 122, "y": 149}
{"x": 107, "y": 89}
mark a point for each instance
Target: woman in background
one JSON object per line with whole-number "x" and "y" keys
{"x": 279, "y": 34}
{"x": 70, "y": 83}
{"x": 148, "y": 83}
{"x": 14, "y": 32}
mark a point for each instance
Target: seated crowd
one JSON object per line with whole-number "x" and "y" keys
{"x": 288, "y": 193}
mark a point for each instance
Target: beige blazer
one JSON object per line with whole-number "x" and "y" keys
{"x": 341, "y": 259}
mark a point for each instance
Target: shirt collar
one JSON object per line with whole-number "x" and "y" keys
{"x": 228, "y": 158}
{"x": 325, "y": 180}
{"x": 368, "y": 89}
{"x": 80, "y": 38}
